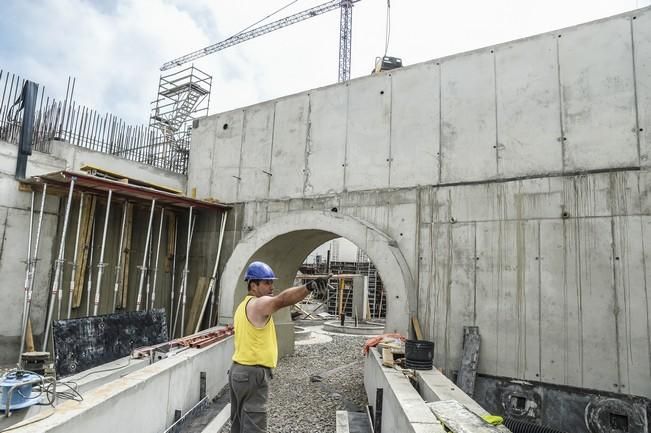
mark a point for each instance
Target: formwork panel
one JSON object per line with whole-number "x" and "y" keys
{"x": 468, "y": 138}
{"x": 452, "y": 297}
{"x": 507, "y": 298}
{"x": 288, "y": 156}
{"x": 632, "y": 298}
{"x": 415, "y": 126}
{"x": 598, "y": 98}
{"x": 528, "y": 107}
{"x": 327, "y": 141}
{"x": 367, "y": 154}
{"x": 642, "y": 44}
{"x": 226, "y": 156}
{"x": 257, "y": 142}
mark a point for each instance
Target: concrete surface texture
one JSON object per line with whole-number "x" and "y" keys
{"x": 506, "y": 188}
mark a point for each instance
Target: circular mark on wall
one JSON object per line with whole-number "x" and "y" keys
{"x": 605, "y": 415}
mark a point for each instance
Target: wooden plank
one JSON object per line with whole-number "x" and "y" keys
{"x": 87, "y": 216}
{"x": 469, "y": 359}
{"x": 416, "y": 324}
{"x": 387, "y": 357}
{"x": 458, "y": 419}
{"x": 29, "y": 337}
{"x": 95, "y": 170}
{"x": 197, "y": 301}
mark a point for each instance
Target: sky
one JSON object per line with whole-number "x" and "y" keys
{"x": 114, "y": 48}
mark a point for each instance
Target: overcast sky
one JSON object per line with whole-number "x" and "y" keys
{"x": 115, "y": 47}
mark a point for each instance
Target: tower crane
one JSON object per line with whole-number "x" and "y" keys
{"x": 345, "y": 35}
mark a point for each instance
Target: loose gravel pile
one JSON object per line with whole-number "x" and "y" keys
{"x": 312, "y": 384}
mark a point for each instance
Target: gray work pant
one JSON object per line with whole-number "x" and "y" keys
{"x": 249, "y": 393}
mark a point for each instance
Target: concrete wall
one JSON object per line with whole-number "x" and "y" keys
{"x": 514, "y": 180}
{"x": 14, "y": 225}
{"x": 143, "y": 401}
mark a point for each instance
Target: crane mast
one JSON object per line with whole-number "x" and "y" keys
{"x": 345, "y": 34}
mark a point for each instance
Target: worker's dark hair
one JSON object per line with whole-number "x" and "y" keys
{"x": 249, "y": 282}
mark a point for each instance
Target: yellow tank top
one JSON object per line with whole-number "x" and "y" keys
{"x": 254, "y": 346}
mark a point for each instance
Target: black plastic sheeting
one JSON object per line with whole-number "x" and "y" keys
{"x": 80, "y": 344}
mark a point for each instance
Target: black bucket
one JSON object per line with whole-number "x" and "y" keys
{"x": 419, "y": 354}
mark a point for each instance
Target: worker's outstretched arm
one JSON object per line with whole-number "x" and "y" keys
{"x": 267, "y": 305}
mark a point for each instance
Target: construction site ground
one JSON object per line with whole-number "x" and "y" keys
{"x": 325, "y": 374}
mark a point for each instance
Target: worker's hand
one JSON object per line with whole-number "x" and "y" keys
{"x": 318, "y": 285}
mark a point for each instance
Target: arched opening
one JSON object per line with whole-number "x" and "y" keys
{"x": 354, "y": 290}
{"x": 284, "y": 243}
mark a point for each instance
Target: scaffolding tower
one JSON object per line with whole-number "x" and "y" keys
{"x": 182, "y": 97}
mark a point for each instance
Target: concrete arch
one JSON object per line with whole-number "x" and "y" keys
{"x": 284, "y": 243}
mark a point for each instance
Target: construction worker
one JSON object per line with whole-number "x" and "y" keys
{"x": 256, "y": 347}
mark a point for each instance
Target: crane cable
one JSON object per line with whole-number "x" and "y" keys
{"x": 388, "y": 28}
{"x": 268, "y": 16}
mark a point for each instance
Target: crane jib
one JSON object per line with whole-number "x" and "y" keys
{"x": 258, "y": 31}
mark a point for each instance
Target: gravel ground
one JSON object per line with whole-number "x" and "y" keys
{"x": 301, "y": 402}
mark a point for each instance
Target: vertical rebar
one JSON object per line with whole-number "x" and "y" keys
{"x": 143, "y": 268}
{"x": 101, "y": 264}
{"x": 58, "y": 268}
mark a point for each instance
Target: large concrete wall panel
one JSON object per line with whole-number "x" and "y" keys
{"x": 367, "y": 151}
{"x": 528, "y": 108}
{"x": 468, "y": 140}
{"x": 642, "y": 48}
{"x": 225, "y": 174}
{"x": 453, "y": 294}
{"x": 632, "y": 312}
{"x": 327, "y": 141}
{"x": 202, "y": 159}
{"x": 257, "y": 144}
{"x": 288, "y": 157}
{"x": 598, "y": 96}
{"x": 415, "y": 125}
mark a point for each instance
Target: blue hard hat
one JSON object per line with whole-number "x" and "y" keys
{"x": 259, "y": 271}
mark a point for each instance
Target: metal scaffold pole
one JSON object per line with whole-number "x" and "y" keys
{"x": 73, "y": 272}
{"x": 118, "y": 266}
{"x": 171, "y": 313}
{"x": 58, "y": 268}
{"x": 143, "y": 268}
{"x": 89, "y": 283}
{"x": 28, "y": 277}
{"x": 184, "y": 277}
{"x": 160, "y": 234}
{"x": 101, "y": 264}
{"x": 211, "y": 286}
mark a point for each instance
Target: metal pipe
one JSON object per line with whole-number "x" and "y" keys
{"x": 58, "y": 268}
{"x": 211, "y": 286}
{"x": 143, "y": 268}
{"x": 33, "y": 273}
{"x": 89, "y": 284}
{"x": 74, "y": 259}
{"x": 171, "y": 313}
{"x": 118, "y": 266}
{"x": 28, "y": 273}
{"x": 183, "y": 278}
{"x": 101, "y": 264}
{"x": 160, "y": 233}
{"x": 185, "y": 268}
